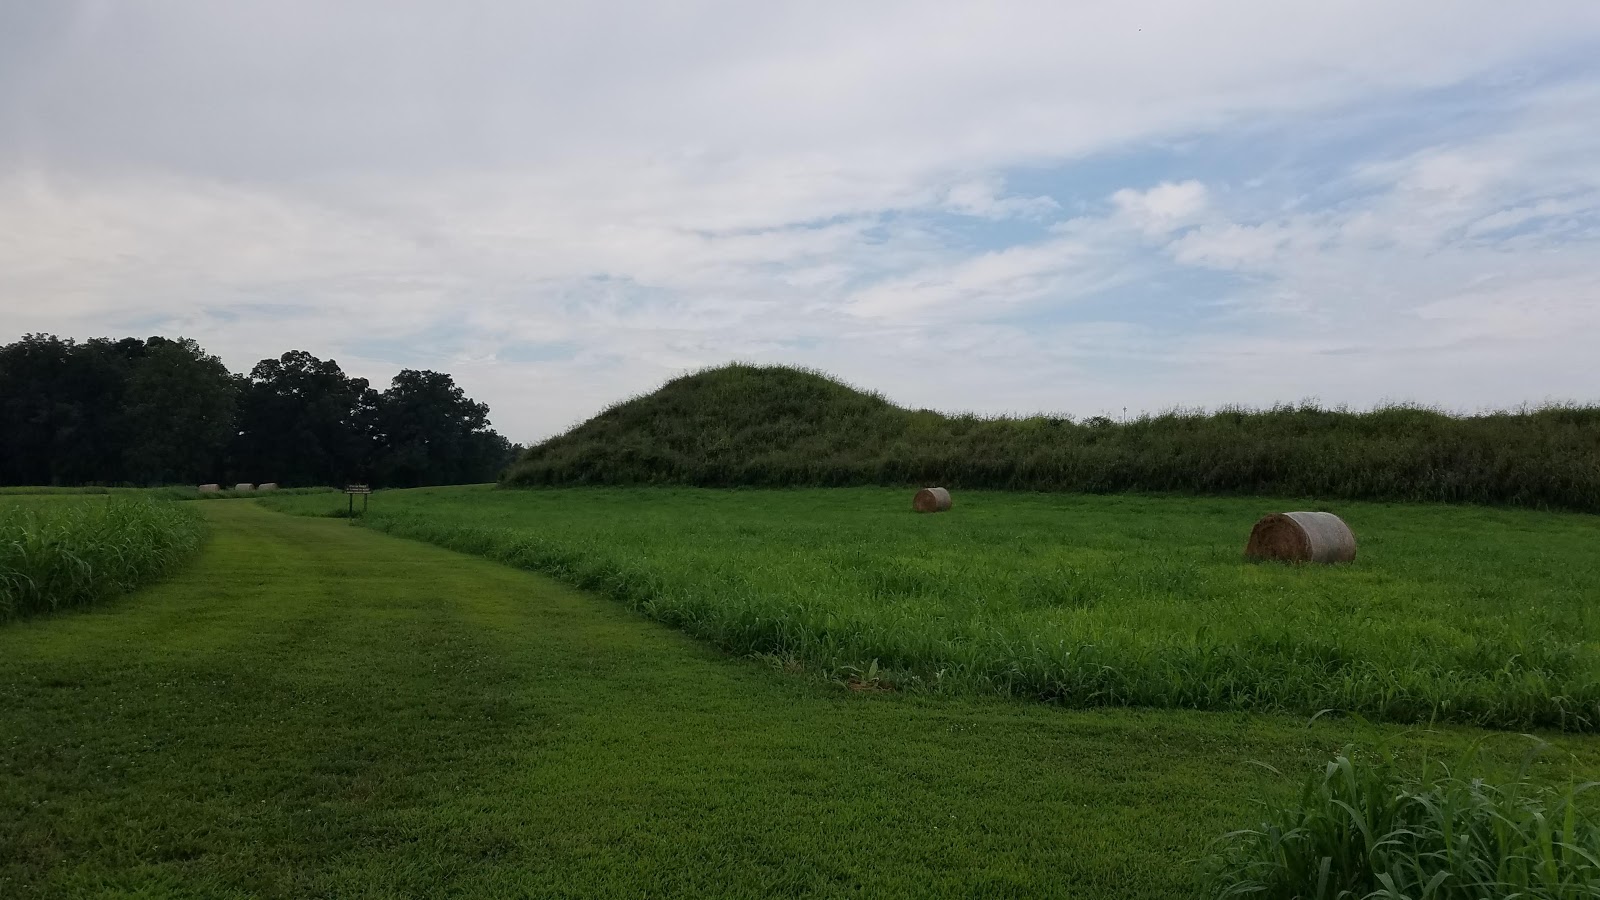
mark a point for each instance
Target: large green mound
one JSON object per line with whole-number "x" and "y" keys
{"x": 737, "y": 424}
{"x": 778, "y": 426}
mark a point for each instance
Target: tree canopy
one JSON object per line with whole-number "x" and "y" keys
{"x": 163, "y": 411}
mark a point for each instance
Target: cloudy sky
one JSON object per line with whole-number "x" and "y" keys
{"x": 1001, "y": 207}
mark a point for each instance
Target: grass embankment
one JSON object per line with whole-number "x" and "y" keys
{"x": 59, "y": 552}
{"x": 315, "y": 710}
{"x": 1464, "y": 614}
{"x": 774, "y": 426}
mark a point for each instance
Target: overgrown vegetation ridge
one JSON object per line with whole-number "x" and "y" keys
{"x": 776, "y": 426}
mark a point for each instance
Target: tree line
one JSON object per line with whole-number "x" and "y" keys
{"x": 163, "y": 411}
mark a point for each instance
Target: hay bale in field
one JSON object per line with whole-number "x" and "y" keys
{"x": 210, "y": 488}
{"x": 268, "y": 486}
{"x": 244, "y": 486}
{"x": 934, "y": 499}
{"x": 1302, "y": 537}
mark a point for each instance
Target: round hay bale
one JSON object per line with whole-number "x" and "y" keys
{"x": 244, "y": 486}
{"x": 1302, "y": 537}
{"x": 934, "y": 499}
{"x": 268, "y": 486}
{"x": 210, "y": 488}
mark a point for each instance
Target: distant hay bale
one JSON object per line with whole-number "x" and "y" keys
{"x": 268, "y": 486}
{"x": 244, "y": 486}
{"x": 935, "y": 499}
{"x": 1302, "y": 537}
{"x": 210, "y": 488}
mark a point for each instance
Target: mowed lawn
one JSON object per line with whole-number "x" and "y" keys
{"x": 317, "y": 710}
{"x": 1450, "y": 613}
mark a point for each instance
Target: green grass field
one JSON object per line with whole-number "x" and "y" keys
{"x": 318, "y": 710}
{"x": 1475, "y": 615}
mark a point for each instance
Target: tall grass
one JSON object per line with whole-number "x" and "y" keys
{"x": 1470, "y": 615}
{"x": 780, "y": 427}
{"x": 1365, "y": 829}
{"x": 68, "y": 554}
{"x": 62, "y": 491}
{"x": 168, "y": 492}
{"x": 192, "y": 494}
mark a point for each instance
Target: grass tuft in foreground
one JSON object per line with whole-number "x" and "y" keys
{"x": 75, "y": 553}
{"x": 1363, "y": 829}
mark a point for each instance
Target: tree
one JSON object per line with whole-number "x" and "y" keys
{"x": 61, "y": 418}
{"x": 29, "y": 415}
{"x": 304, "y": 421}
{"x": 434, "y": 434}
{"x": 164, "y": 411}
{"x": 179, "y": 408}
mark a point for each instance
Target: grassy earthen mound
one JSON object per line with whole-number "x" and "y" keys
{"x": 774, "y": 426}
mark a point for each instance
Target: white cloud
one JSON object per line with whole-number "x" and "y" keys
{"x": 982, "y": 198}
{"x": 855, "y": 186}
{"x": 986, "y": 284}
{"x": 1162, "y": 209}
{"x": 1247, "y": 247}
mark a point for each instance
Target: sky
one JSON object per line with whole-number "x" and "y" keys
{"x": 998, "y": 207}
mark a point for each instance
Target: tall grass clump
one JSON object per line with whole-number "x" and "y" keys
{"x": 69, "y": 554}
{"x": 781, "y": 427}
{"x": 60, "y": 491}
{"x": 167, "y": 492}
{"x": 1364, "y": 830}
{"x": 192, "y": 494}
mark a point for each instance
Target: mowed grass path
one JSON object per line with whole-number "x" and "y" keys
{"x": 316, "y": 710}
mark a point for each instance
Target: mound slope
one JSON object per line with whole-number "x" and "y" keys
{"x": 778, "y": 426}
{"x": 732, "y": 425}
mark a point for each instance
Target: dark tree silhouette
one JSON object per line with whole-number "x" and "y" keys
{"x": 179, "y": 407}
{"x": 60, "y": 409}
{"x": 435, "y": 434}
{"x": 164, "y": 411}
{"x": 302, "y": 420}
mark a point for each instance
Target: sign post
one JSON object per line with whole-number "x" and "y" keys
{"x": 351, "y": 490}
